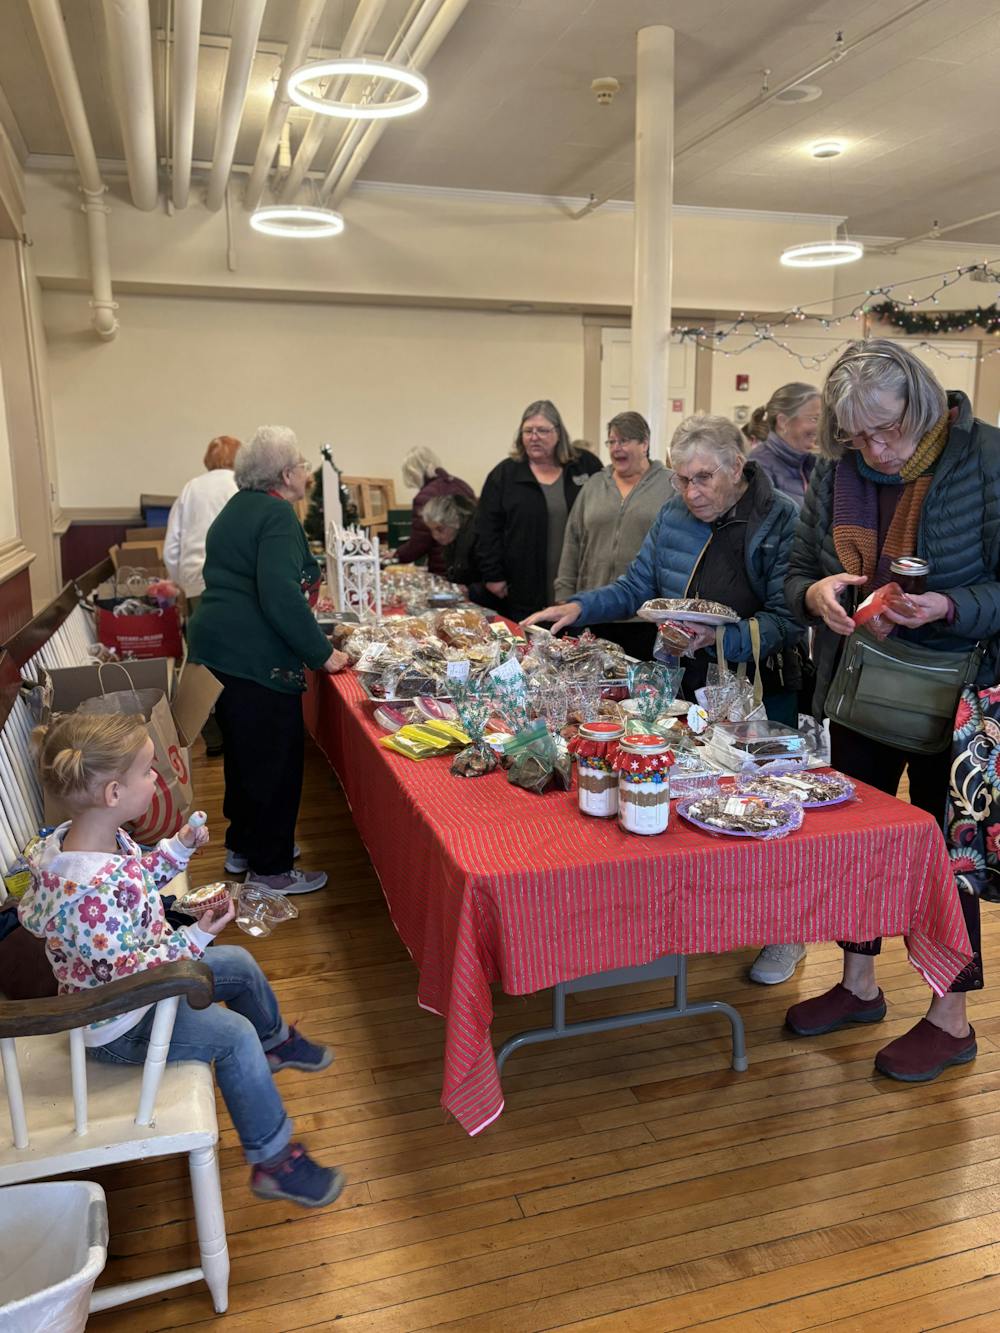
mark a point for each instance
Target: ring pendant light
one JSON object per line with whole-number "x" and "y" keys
{"x": 376, "y": 69}
{"x": 822, "y": 254}
{"x": 302, "y": 220}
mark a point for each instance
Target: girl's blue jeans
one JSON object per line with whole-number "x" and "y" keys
{"x": 234, "y": 1038}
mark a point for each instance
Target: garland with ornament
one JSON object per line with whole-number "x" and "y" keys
{"x": 903, "y": 317}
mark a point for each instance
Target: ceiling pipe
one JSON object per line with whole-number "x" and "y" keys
{"x": 51, "y": 30}
{"x": 409, "y": 35}
{"x": 766, "y": 97}
{"x": 306, "y": 19}
{"x": 934, "y": 234}
{"x": 360, "y": 29}
{"x": 247, "y": 18}
{"x": 336, "y": 187}
{"x": 183, "y": 92}
{"x": 130, "y": 45}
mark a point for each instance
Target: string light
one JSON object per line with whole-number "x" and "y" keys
{"x": 891, "y": 310}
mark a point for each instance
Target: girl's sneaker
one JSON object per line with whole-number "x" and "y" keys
{"x": 297, "y": 1052}
{"x": 298, "y": 1179}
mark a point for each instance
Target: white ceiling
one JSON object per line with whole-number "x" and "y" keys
{"x": 511, "y": 107}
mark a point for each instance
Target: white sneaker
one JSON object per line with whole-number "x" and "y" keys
{"x": 293, "y": 881}
{"x": 237, "y": 863}
{"x": 776, "y": 963}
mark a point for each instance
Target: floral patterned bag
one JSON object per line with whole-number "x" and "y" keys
{"x": 972, "y": 822}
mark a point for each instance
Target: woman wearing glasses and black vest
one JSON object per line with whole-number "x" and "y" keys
{"x": 524, "y": 507}
{"x": 907, "y": 471}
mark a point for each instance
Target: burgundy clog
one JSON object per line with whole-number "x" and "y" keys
{"x": 836, "y": 1008}
{"x": 918, "y": 1056}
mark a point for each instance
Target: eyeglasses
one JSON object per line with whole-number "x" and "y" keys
{"x": 700, "y": 479}
{"x": 610, "y": 444}
{"x": 880, "y": 435}
{"x": 538, "y": 430}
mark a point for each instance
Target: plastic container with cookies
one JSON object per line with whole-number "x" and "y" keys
{"x": 214, "y": 898}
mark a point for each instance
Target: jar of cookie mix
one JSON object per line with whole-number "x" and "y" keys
{"x": 643, "y": 764}
{"x": 594, "y": 748}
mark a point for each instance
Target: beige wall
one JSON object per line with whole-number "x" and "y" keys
{"x": 135, "y": 414}
{"x": 8, "y": 516}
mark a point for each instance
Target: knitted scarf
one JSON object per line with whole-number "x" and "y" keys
{"x": 855, "y": 509}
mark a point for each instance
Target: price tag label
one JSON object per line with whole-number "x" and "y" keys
{"x": 458, "y": 670}
{"x": 734, "y": 806}
{"x": 371, "y": 655}
{"x": 508, "y": 672}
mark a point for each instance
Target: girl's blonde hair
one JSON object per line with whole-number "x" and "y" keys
{"x": 77, "y": 750}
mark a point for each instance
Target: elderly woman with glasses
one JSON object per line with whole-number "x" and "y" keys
{"x": 725, "y": 536}
{"x": 609, "y": 523}
{"x": 524, "y": 507}
{"x": 255, "y": 630}
{"x": 906, "y": 470}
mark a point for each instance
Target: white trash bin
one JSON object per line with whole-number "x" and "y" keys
{"x": 54, "y": 1248}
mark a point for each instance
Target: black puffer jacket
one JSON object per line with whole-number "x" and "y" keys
{"x": 959, "y": 536}
{"x": 513, "y": 528}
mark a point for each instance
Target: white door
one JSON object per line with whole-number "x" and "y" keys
{"x": 616, "y": 372}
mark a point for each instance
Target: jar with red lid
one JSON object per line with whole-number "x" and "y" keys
{"x": 594, "y": 747}
{"x": 643, "y": 764}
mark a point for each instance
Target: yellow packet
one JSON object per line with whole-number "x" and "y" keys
{"x": 413, "y": 749}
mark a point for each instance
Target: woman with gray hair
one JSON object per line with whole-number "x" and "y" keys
{"x": 906, "y": 471}
{"x": 255, "y": 631}
{"x": 423, "y": 472}
{"x": 725, "y": 536}
{"x": 788, "y": 454}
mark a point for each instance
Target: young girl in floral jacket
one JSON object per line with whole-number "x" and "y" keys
{"x": 94, "y": 900}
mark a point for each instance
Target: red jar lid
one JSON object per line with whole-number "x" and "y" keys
{"x": 601, "y": 731}
{"x": 644, "y": 744}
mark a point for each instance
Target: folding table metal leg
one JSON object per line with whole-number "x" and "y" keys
{"x": 674, "y": 965}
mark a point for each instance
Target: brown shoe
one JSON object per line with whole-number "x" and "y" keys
{"x": 918, "y": 1056}
{"x": 837, "y": 1008}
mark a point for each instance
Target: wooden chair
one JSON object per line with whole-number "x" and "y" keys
{"x": 85, "y": 1119}
{"x": 374, "y": 497}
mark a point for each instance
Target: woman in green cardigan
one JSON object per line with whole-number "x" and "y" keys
{"x": 255, "y": 631}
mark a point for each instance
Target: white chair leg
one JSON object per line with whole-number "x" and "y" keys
{"x": 210, "y": 1220}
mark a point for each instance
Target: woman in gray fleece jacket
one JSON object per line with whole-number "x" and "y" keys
{"x": 609, "y": 522}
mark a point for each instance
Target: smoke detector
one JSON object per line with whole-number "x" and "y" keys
{"x": 824, "y": 148}
{"x": 605, "y": 90}
{"x": 799, "y": 92}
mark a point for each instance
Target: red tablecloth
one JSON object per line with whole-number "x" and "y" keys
{"x": 486, "y": 882}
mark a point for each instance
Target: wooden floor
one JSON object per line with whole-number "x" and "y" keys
{"x": 633, "y": 1183}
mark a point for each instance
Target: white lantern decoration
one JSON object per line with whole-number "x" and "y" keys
{"x": 353, "y": 575}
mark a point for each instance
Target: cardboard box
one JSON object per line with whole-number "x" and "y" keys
{"x": 140, "y": 555}
{"x": 145, "y": 535}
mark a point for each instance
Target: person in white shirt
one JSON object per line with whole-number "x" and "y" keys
{"x": 193, "y": 513}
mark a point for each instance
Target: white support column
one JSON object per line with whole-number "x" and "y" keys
{"x": 654, "y": 197}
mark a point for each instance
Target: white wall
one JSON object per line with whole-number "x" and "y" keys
{"x": 8, "y": 514}
{"x": 135, "y": 414}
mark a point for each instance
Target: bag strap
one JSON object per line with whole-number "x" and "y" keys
{"x": 102, "y": 667}
{"x": 741, "y": 669}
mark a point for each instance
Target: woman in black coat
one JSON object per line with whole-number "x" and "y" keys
{"x": 523, "y": 510}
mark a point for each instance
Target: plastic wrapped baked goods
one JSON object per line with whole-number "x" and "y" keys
{"x": 460, "y": 628}
{"x": 697, "y": 610}
{"x": 813, "y": 791}
{"x": 758, "y": 744}
{"x": 741, "y": 815}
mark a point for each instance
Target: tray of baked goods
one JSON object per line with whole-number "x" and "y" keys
{"x": 687, "y": 611}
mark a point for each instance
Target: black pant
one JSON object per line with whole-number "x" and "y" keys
{"x": 637, "y": 638}
{"x": 881, "y": 766}
{"x": 263, "y": 736}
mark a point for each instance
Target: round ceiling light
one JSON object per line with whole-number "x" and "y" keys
{"x": 303, "y": 220}
{"x": 374, "y": 69}
{"x": 827, "y": 148}
{"x": 822, "y": 254}
{"x": 799, "y": 92}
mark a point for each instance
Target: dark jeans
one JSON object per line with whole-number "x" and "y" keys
{"x": 637, "y": 639}
{"x": 262, "y": 732}
{"x": 881, "y": 766}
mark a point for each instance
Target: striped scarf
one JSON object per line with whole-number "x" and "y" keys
{"x": 855, "y": 509}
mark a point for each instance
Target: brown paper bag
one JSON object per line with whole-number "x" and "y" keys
{"x": 174, "y": 793}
